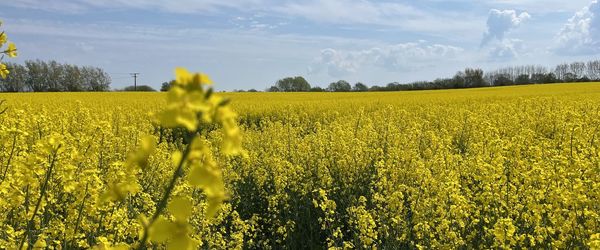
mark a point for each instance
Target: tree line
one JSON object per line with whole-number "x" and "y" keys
{"x": 469, "y": 78}
{"x": 299, "y": 84}
{"x": 41, "y": 76}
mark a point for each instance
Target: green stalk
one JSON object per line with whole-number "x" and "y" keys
{"x": 12, "y": 151}
{"x": 42, "y": 194}
{"x": 80, "y": 210}
{"x": 165, "y": 198}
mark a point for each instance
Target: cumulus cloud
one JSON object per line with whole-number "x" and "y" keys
{"x": 403, "y": 56}
{"x": 581, "y": 33}
{"x": 500, "y": 22}
{"x": 506, "y": 50}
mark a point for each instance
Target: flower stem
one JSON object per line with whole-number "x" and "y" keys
{"x": 165, "y": 198}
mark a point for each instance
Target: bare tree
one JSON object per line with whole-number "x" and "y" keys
{"x": 578, "y": 69}
{"x": 593, "y": 70}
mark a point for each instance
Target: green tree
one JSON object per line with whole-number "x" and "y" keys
{"x": 339, "y": 86}
{"x": 503, "y": 80}
{"x": 142, "y": 88}
{"x": 165, "y": 86}
{"x": 38, "y": 76}
{"x": 273, "y": 89}
{"x": 473, "y": 78}
{"x": 316, "y": 89}
{"x": 523, "y": 79}
{"x": 360, "y": 87}
{"x": 292, "y": 84}
{"x": 15, "y": 81}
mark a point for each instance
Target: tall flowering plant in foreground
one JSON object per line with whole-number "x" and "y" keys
{"x": 191, "y": 105}
{"x": 10, "y": 51}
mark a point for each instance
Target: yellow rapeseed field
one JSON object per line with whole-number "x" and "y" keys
{"x": 503, "y": 167}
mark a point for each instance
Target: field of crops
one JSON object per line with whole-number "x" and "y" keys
{"x": 505, "y": 167}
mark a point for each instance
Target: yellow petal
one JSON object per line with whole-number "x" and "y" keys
{"x": 174, "y": 117}
{"x": 12, "y": 50}
{"x": 205, "y": 177}
{"x": 201, "y": 79}
{"x": 208, "y": 177}
{"x": 181, "y": 208}
{"x": 168, "y": 118}
{"x": 40, "y": 243}
{"x": 182, "y": 76}
{"x": 161, "y": 230}
{"x": 205, "y": 79}
{"x": 140, "y": 157}
{"x": 3, "y": 71}
{"x": 176, "y": 158}
{"x": 175, "y": 94}
{"x": 187, "y": 119}
{"x": 147, "y": 145}
{"x": 214, "y": 203}
{"x": 182, "y": 242}
{"x": 3, "y": 39}
{"x": 198, "y": 149}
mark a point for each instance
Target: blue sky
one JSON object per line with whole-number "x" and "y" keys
{"x": 245, "y": 44}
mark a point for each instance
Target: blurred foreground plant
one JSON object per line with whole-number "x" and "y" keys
{"x": 192, "y": 105}
{"x": 10, "y": 51}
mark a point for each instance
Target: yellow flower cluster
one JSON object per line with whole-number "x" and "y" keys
{"x": 83, "y": 183}
{"x": 508, "y": 167}
{"x": 10, "y": 51}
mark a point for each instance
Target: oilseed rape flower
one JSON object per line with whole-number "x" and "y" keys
{"x": 175, "y": 233}
{"x": 3, "y": 38}
{"x": 508, "y": 167}
{"x": 3, "y": 71}
{"x": 12, "y": 50}
{"x": 191, "y": 105}
{"x": 186, "y": 99}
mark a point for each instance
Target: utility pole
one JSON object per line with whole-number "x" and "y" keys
{"x": 134, "y": 80}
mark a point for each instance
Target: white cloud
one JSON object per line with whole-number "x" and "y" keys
{"x": 506, "y": 50}
{"x": 398, "y": 57}
{"x": 135, "y": 48}
{"x": 501, "y": 22}
{"x": 581, "y": 34}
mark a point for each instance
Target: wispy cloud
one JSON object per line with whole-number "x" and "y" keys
{"x": 395, "y": 15}
{"x": 179, "y": 6}
{"x": 347, "y": 11}
{"x": 547, "y": 6}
